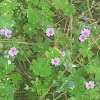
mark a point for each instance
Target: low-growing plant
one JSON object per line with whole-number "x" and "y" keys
{"x": 49, "y": 50}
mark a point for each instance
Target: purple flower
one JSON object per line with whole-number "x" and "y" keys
{"x": 9, "y": 62}
{"x": 54, "y": 82}
{"x": 41, "y": 23}
{"x": 30, "y": 77}
{"x": 8, "y": 33}
{"x": 82, "y": 38}
{"x": 71, "y": 85}
{"x": 74, "y": 65}
{"x": 58, "y": 90}
{"x": 65, "y": 65}
{"x": 55, "y": 61}
{"x": 85, "y": 32}
{"x": 89, "y": 85}
{"x": 63, "y": 53}
{"x": 12, "y": 51}
{"x": 97, "y": 83}
{"x": 50, "y": 31}
{"x": 41, "y": 11}
{"x": 6, "y": 56}
{"x": 2, "y": 32}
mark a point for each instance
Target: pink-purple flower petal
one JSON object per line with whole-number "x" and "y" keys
{"x": 63, "y": 53}
{"x": 55, "y": 61}
{"x": 89, "y": 85}
{"x": 9, "y": 62}
{"x": 82, "y": 38}
{"x": 85, "y": 32}
{"x": 50, "y": 32}
{"x": 12, "y": 51}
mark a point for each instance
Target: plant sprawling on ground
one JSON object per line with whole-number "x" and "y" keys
{"x": 49, "y": 49}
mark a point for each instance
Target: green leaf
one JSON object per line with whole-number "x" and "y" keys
{"x": 93, "y": 67}
{"x": 6, "y": 21}
{"x": 43, "y": 3}
{"x": 40, "y": 67}
{"x": 6, "y": 90}
{"x": 42, "y": 88}
{"x": 86, "y": 50}
{"x": 5, "y": 68}
{"x": 58, "y": 33}
{"x": 70, "y": 9}
{"x": 41, "y": 48}
{"x": 60, "y": 4}
{"x": 92, "y": 94}
{"x": 15, "y": 78}
{"x": 26, "y": 87}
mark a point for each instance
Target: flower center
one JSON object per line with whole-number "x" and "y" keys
{"x": 89, "y": 85}
{"x": 55, "y": 61}
{"x": 8, "y": 34}
{"x": 50, "y": 32}
{"x": 85, "y": 33}
{"x": 82, "y": 37}
{"x": 12, "y": 50}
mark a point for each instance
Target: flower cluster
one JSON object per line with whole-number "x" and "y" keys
{"x": 89, "y": 85}
{"x": 7, "y": 56}
{"x": 67, "y": 63}
{"x": 12, "y": 52}
{"x": 56, "y": 61}
{"x": 6, "y": 32}
{"x": 84, "y": 34}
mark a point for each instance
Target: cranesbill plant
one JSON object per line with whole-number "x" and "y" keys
{"x": 49, "y": 50}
